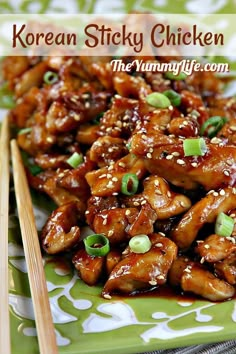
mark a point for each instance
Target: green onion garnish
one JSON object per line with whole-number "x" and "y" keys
{"x": 194, "y": 147}
{"x": 224, "y": 225}
{"x": 34, "y": 169}
{"x": 75, "y": 160}
{"x": 158, "y": 100}
{"x": 140, "y": 244}
{"x": 129, "y": 184}
{"x": 212, "y": 126}
{"x": 173, "y": 96}
{"x": 171, "y": 76}
{"x": 97, "y": 245}
{"x": 6, "y": 97}
{"x": 24, "y": 131}
{"x": 50, "y": 77}
{"x": 97, "y": 119}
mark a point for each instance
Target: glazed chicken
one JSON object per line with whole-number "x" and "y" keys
{"x": 112, "y": 157}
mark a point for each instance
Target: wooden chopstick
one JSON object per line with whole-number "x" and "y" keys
{"x": 39, "y": 293}
{"x": 5, "y": 346}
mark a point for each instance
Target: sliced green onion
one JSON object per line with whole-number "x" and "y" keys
{"x": 75, "y": 160}
{"x": 194, "y": 147}
{"x": 34, "y": 169}
{"x": 6, "y": 97}
{"x": 171, "y": 76}
{"x": 97, "y": 245}
{"x": 173, "y": 96}
{"x": 129, "y": 184}
{"x": 140, "y": 244}
{"x": 50, "y": 77}
{"x": 97, "y": 119}
{"x": 24, "y": 131}
{"x": 212, "y": 126}
{"x": 224, "y": 225}
{"x": 158, "y": 100}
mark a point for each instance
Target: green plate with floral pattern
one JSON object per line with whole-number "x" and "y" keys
{"x": 84, "y": 321}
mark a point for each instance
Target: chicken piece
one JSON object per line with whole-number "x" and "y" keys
{"x": 87, "y": 134}
{"x": 24, "y": 109}
{"x": 103, "y": 72}
{"x": 61, "y": 232}
{"x": 143, "y": 222}
{"x": 74, "y": 181}
{"x": 130, "y": 86}
{"x": 89, "y": 267}
{"x": 51, "y": 161}
{"x": 217, "y": 168}
{"x": 142, "y": 271}
{"x": 113, "y": 223}
{"x": 107, "y": 149}
{"x": 191, "y": 101}
{"x": 30, "y": 78}
{"x": 112, "y": 259}
{"x": 107, "y": 180}
{"x": 184, "y": 126}
{"x": 204, "y": 211}
{"x": 163, "y": 201}
{"x": 60, "y": 195}
{"x": 215, "y": 248}
{"x": 193, "y": 277}
{"x": 97, "y": 204}
{"x": 13, "y": 67}
{"x": 120, "y": 120}
{"x": 226, "y": 269}
{"x": 202, "y": 282}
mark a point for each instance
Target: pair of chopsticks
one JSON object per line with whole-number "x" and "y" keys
{"x": 43, "y": 317}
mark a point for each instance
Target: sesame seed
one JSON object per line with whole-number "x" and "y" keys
{"x": 175, "y": 153}
{"x": 87, "y": 104}
{"x": 169, "y": 157}
{"x": 102, "y": 176}
{"x": 216, "y": 140}
{"x": 232, "y": 215}
{"x": 168, "y": 194}
{"x": 222, "y": 192}
{"x": 160, "y": 277}
{"x": 107, "y": 296}
{"x": 162, "y": 234}
{"x": 159, "y": 244}
{"x": 182, "y": 204}
{"x": 194, "y": 164}
{"x": 114, "y": 179}
{"x": 157, "y": 191}
{"x": 226, "y": 173}
{"x": 136, "y": 204}
{"x": 121, "y": 164}
{"x": 143, "y": 202}
{"x": 77, "y": 117}
{"x": 152, "y": 282}
{"x": 187, "y": 270}
{"x": 233, "y": 128}
{"x": 104, "y": 221}
{"x": 110, "y": 233}
{"x": 49, "y": 139}
{"x": 149, "y": 155}
{"x": 180, "y": 162}
{"x": 216, "y": 194}
{"x": 86, "y": 212}
{"x": 202, "y": 260}
{"x": 157, "y": 183}
{"x": 206, "y": 246}
{"x": 234, "y": 190}
{"x": 127, "y": 212}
